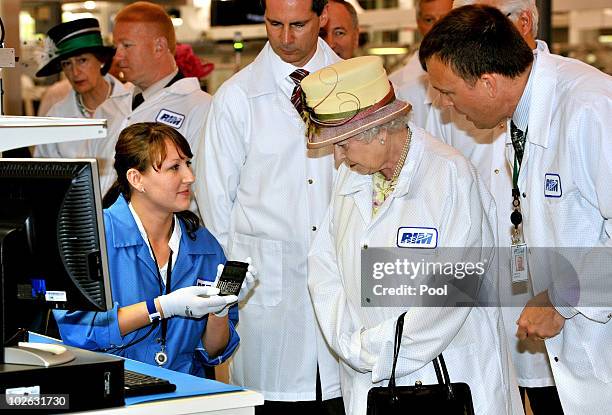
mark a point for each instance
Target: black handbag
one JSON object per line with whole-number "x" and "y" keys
{"x": 444, "y": 398}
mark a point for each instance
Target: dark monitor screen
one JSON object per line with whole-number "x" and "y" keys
{"x": 53, "y": 249}
{"x": 235, "y": 12}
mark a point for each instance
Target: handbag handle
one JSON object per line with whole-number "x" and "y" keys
{"x": 438, "y": 362}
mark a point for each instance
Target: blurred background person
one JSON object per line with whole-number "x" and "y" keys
{"x": 410, "y": 81}
{"x": 190, "y": 64}
{"x": 428, "y": 12}
{"x": 342, "y": 29}
{"x": 75, "y": 48}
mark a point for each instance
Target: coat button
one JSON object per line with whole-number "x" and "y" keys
{"x": 365, "y": 246}
{"x": 524, "y": 195}
{"x": 496, "y": 171}
{"x": 310, "y": 181}
{"x": 314, "y": 228}
{"x": 556, "y": 359}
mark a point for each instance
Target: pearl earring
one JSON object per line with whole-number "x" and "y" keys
{"x": 142, "y": 189}
{"x": 382, "y": 141}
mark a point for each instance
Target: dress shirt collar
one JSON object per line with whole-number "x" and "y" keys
{"x": 521, "y": 113}
{"x": 281, "y": 69}
{"x": 175, "y": 239}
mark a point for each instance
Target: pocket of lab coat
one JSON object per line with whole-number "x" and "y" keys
{"x": 600, "y": 360}
{"x": 267, "y": 257}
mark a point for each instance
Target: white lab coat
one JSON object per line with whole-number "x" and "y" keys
{"x": 184, "y": 101}
{"x": 263, "y": 195}
{"x": 410, "y": 71}
{"x": 67, "y": 107}
{"x": 569, "y": 136}
{"x": 420, "y": 94}
{"x": 411, "y": 84}
{"x": 485, "y": 149}
{"x": 439, "y": 189}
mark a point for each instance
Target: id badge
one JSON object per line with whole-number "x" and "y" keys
{"x": 518, "y": 263}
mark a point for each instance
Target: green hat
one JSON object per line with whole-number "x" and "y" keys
{"x": 73, "y": 38}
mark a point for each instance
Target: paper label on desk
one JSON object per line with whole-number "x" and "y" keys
{"x": 24, "y": 391}
{"x": 55, "y": 296}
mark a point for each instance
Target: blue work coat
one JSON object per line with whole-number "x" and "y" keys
{"x": 134, "y": 278}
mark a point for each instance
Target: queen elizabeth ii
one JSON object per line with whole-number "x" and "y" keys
{"x": 394, "y": 179}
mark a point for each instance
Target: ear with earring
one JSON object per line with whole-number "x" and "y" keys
{"x": 142, "y": 189}
{"x": 383, "y": 136}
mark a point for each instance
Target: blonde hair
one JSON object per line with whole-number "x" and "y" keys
{"x": 145, "y": 12}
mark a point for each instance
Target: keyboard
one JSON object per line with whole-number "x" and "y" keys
{"x": 138, "y": 384}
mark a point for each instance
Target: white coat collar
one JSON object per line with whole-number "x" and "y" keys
{"x": 263, "y": 79}
{"x": 118, "y": 87}
{"x": 183, "y": 86}
{"x": 359, "y": 186}
{"x": 355, "y": 182}
{"x": 543, "y": 95}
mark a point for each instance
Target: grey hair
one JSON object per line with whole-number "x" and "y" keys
{"x": 511, "y": 8}
{"x": 394, "y": 125}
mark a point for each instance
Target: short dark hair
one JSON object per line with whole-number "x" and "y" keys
{"x": 350, "y": 9}
{"x": 317, "y": 6}
{"x": 475, "y": 40}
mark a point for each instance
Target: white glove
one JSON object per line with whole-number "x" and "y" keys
{"x": 194, "y": 302}
{"x": 249, "y": 279}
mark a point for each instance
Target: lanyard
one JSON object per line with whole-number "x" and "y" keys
{"x": 516, "y": 217}
{"x": 161, "y": 356}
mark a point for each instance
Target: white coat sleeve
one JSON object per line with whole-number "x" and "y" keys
{"x": 593, "y": 167}
{"x": 49, "y": 150}
{"x": 219, "y": 160}
{"x": 427, "y": 331}
{"x": 329, "y": 299}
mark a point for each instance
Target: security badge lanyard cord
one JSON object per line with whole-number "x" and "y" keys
{"x": 516, "y": 217}
{"x": 161, "y": 357}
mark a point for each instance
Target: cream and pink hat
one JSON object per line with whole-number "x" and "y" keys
{"x": 347, "y": 98}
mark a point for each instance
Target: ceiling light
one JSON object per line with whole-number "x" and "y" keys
{"x": 387, "y": 51}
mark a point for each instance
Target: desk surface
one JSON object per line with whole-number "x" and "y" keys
{"x": 193, "y": 395}
{"x": 231, "y": 403}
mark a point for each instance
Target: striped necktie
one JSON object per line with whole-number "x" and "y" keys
{"x": 296, "y": 96}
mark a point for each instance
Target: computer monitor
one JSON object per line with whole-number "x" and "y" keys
{"x": 236, "y": 12}
{"x": 52, "y": 244}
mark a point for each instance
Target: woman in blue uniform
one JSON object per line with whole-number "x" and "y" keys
{"x": 162, "y": 264}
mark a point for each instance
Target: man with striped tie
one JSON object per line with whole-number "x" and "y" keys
{"x": 263, "y": 194}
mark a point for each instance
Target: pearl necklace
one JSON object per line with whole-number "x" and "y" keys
{"x": 88, "y": 112}
{"x": 402, "y": 159}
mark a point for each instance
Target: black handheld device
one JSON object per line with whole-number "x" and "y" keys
{"x": 232, "y": 277}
